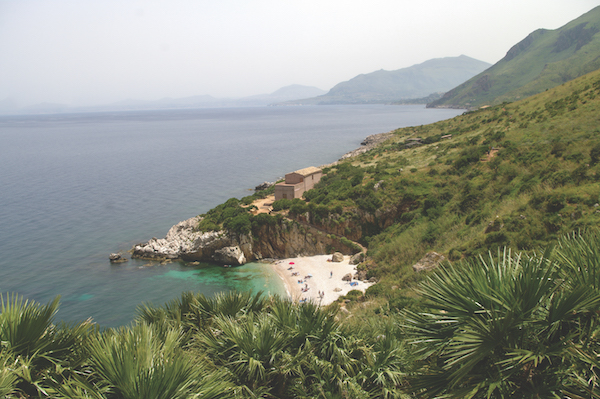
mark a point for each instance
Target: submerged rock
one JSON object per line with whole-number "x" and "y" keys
{"x": 117, "y": 258}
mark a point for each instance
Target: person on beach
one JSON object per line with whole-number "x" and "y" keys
{"x": 331, "y": 274}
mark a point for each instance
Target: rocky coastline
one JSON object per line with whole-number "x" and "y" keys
{"x": 285, "y": 239}
{"x": 368, "y": 144}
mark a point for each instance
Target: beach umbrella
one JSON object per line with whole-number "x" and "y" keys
{"x": 291, "y": 263}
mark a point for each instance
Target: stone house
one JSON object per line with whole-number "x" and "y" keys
{"x": 296, "y": 183}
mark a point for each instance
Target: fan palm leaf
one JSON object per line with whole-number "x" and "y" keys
{"x": 25, "y": 326}
{"x": 138, "y": 363}
{"x": 499, "y": 326}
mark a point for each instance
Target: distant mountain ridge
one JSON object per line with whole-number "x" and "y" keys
{"x": 286, "y": 93}
{"x": 544, "y": 59}
{"x": 417, "y": 81}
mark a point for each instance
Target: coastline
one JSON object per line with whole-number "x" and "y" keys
{"x": 325, "y": 277}
{"x": 326, "y": 284}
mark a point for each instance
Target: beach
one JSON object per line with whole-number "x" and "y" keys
{"x": 317, "y": 279}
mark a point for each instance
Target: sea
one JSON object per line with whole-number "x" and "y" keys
{"x": 76, "y": 187}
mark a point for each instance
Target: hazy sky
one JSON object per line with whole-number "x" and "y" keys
{"x": 84, "y": 52}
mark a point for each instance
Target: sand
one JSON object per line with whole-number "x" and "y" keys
{"x": 326, "y": 278}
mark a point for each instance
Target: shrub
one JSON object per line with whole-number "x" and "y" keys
{"x": 555, "y": 202}
{"x": 431, "y": 234}
{"x": 239, "y": 224}
{"x": 282, "y": 204}
{"x": 298, "y": 209}
{"x": 595, "y": 154}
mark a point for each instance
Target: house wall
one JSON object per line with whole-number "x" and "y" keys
{"x": 288, "y": 191}
{"x": 293, "y": 178}
{"x": 296, "y": 184}
{"x": 310, "y": 181}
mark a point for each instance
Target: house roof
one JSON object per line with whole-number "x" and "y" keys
{"x": 307, "y": 171}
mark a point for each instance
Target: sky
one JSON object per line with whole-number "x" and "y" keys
{"x": 90, "y": 52}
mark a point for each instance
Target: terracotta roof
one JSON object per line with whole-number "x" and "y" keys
{"x": 307, "y": 171}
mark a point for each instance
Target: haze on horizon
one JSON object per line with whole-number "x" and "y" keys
{"x": 96, "y": 52}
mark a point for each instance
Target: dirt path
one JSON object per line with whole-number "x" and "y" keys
{"x": 263, "y": 205}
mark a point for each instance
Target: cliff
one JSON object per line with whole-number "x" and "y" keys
{"x": 282, "y": 239}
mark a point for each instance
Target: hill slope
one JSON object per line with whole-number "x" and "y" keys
{"x": 421, "y": 80}
{"x": 544, "y": 59}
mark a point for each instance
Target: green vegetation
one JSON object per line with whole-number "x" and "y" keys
{"x": 544, "y": 59}
{"x": 235, "y": 345}
{"x": 511, "y": 325}
{"x": 518, "y": 175}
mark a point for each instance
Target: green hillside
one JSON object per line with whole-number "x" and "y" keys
{"x": 418, "y": 81}
{"x": 518, "y": 174}
{"x": 544, "y": 59}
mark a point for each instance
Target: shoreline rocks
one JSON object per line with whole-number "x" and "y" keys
{"x": 117, "y": 258}
{"x": 287, "y": 239}
{"x": 368, "y": 143}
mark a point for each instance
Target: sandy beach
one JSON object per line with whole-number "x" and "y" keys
{"x": 322, "y": 278}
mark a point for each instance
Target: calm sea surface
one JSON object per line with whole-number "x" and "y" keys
{"x": 76, "y": 187}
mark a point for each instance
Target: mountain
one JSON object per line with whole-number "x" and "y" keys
{"x": 544, "y": 59}
{"x": 287, "y": 93}
{"x": 421, "y": 80}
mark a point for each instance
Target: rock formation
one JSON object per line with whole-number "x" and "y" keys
{"x": 368, "y": 144}
{"x": 431, "y": 260}
{"x": 358, "y": 258}
{"x": 263, "y": 186}
{"x": 337, "y": 257}
{"x": 116, "y": 258}
{"x": 284, "y": 239}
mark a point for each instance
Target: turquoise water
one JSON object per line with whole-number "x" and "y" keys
{"x": 74, "y": 188}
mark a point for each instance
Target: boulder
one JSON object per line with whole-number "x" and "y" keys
{"x": 116, "y": 258}
{"x": 337, "y": 257}
{"x": 361, "y": 275}
{"x": 347, "y": 277}
{"x": 229, "y": 256}
{"x": 430, "y": 261}
{"x": 357, "y": 258}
